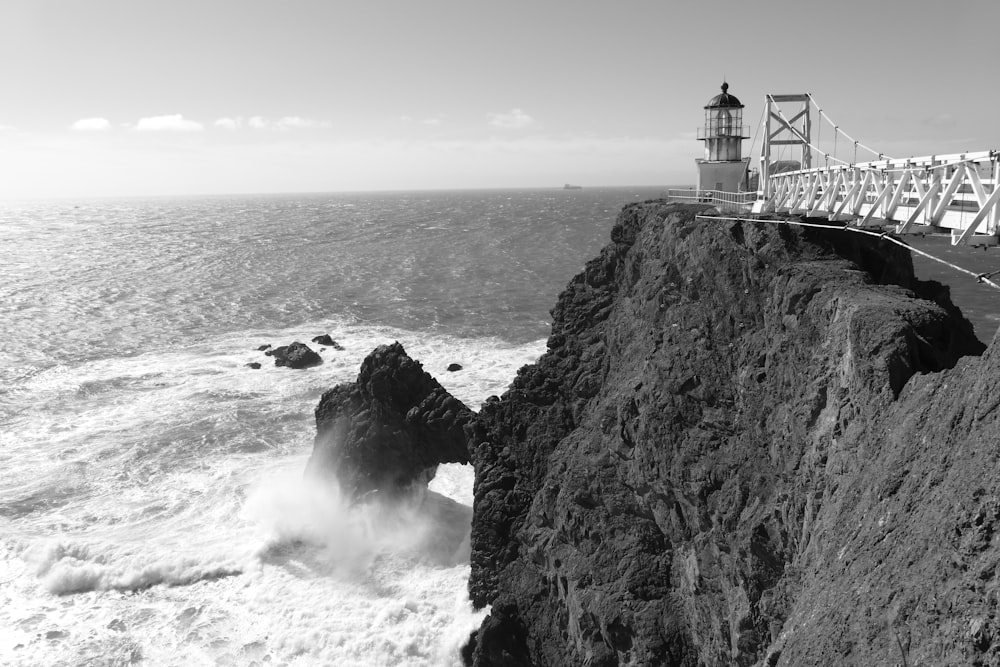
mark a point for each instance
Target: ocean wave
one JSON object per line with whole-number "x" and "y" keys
{"x": 67, "y": 568}
{"x": 66, "y": 578}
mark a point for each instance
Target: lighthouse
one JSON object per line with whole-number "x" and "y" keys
{"x": 723, "y": 168}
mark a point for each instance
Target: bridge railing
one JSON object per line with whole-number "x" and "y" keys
{"x": 959, "y": 192}
{"x": 726, "y": 202}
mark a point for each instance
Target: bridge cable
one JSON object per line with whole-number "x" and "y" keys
{"x": 849, "y": 138}
{"x": 753, "y": 143}
{"x": 980, "y": 277}
{"x": 819, "y": 140}
{"x": 883, "y": 164}
{"x": 796, "y": 132}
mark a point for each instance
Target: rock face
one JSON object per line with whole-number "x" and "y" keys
{"x": 390, "y": 429}
{"x": 296, "y": 355}
{"x": 747, "y": 444}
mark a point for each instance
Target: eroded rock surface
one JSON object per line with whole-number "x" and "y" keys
{"x": 388, "y": 430}
{"x": 744, "y": 446}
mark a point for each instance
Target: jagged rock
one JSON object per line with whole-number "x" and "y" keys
{"x": 742, "y": 447}
{"x": 296, "y": 355}
{"x": 388, "y": 430}
{"x": 454, "y": 367}
{"x": 325, "y": 339}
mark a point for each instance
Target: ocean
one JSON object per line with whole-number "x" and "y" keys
{"x": 152, "y": 501}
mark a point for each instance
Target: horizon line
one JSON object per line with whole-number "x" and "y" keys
{"x": 289, "y": 193}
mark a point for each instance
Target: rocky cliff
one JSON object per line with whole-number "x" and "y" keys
{"x": 747, "y": 444}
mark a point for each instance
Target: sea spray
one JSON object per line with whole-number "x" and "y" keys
{"x": 299, "y": 514}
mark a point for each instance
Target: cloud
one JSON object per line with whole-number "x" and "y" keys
{"x": 515, "y": 119}
{"x": 172, "y": 123}
{"x": 91, "y": 124}
{"x": 261, "y": 123}
{"x": 299, "y": 123}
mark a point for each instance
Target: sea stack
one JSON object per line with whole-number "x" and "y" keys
{"x": 388, "y": 431}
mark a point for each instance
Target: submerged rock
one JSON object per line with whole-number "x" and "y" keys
{"x": 742, "y": 447}
{"x": 296, "y": 355}
{"x": 388, "y": 430}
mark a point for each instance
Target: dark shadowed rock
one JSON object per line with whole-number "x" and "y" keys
{"x": 454, "y": 367}
{"x": 747, "y": 444}
{"x": 253, "y": 364}
{"x": 265, "y": 346}
{"x": 388, "y": 430}
{"x": 296, "y": 355}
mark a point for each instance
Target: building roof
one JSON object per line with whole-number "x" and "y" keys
{"x": 724, "y": 100}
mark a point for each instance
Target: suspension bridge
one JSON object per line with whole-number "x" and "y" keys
{"x": 956, "y": 194}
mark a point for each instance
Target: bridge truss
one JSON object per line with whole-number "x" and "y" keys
{"x": 958, "y": 193}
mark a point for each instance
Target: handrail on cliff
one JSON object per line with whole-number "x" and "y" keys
{"x": 726, "y": 202}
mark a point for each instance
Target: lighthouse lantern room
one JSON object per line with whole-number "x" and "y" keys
{"x": 723, "y": 168}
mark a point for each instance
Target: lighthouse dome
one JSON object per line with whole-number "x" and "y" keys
{"x": 724, "y": 99}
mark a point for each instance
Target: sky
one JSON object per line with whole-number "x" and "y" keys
{"x": 141, "y": 98}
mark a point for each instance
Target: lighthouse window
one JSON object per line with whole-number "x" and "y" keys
{"x": 725, "y": 123}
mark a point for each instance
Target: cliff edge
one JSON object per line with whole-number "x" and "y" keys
{"x": 747, "y": 444}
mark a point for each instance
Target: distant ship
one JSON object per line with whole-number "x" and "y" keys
{"x": 572, "y": 187}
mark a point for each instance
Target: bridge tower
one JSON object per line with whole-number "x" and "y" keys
{"x": 782, "y": 131}
{"x": 723, "y": 168}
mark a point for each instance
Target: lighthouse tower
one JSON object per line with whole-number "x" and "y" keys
{"x": 723, "y": 167}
